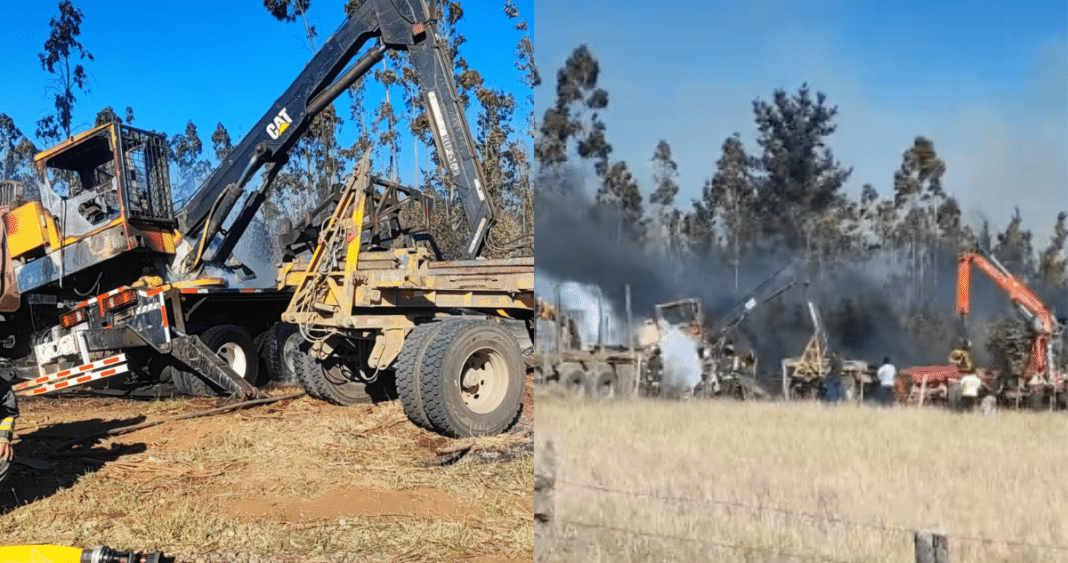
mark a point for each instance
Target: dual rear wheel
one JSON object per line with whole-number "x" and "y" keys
{"x": 597, "y": 382}
{"x": 459, "y": 377}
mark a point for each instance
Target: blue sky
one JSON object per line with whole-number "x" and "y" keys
{"x": 986, "y": 80}
{"x": 988, "y": 83}
{"x": 219, "y": 62}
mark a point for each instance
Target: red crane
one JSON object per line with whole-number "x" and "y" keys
{"x": 1039, "y": 369}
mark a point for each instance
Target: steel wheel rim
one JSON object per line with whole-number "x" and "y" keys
{"x": 234, "y": 356}
{"x": 484, "y": 381}
{"x": 289, "y": 351}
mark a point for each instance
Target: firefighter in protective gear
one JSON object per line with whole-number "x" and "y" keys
{"x": 962, "y": 358}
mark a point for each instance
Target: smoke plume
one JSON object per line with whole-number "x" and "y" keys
{"x": 870, "y": 307}
{"x": 682, "y": 365}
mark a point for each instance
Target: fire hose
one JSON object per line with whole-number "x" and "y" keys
{"x": 60, "y": 554}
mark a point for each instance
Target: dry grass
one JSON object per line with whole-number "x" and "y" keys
{"x": 176, "y": 496}
{"x": 732, "y": 481}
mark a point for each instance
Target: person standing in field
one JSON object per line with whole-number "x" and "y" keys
{"x": 886, "y": 375}
{"x": 969, "y": 390}
{"x": 9, "y": 411}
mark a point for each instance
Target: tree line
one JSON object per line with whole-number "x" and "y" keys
{"x": 787, "y": 197}
{"x": 882, "y": 265}
{"x": 378, "y": 108}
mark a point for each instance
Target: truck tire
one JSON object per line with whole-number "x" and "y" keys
{"x": 279, "y": 353}
{"x": 574, "y": 382}
{"x": 260, "y": 343}
{"x": 304, "y": 365}
{"x": 409, "y": 372}
{"x": 601, "y": 384}
{"x": 472, "y": 379}
{"x": 234, "y": 346}
{"x": 338, "y": 384}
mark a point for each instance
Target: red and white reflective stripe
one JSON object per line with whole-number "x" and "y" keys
{"x": 194, "y": 290}
{"x": 100, "y": 298}
{"x": 74, "y": 376}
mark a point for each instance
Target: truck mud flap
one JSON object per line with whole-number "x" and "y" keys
{"x": 93, "y": 371}
{"x": 193, "y": 353}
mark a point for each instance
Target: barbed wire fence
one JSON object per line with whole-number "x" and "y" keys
{"x": 930, "y": 546}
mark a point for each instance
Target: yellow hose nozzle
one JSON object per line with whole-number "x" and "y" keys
{"x": 61, "y": 554}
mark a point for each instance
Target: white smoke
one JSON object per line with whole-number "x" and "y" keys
{"x": 591, "y": 310}
{"x": 682, "y": 365}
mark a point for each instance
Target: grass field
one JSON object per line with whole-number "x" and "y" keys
{"x": 299, "y": 480}
{"x": 645, "y": 480}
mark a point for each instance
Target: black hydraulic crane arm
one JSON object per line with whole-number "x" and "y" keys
{"x": 405, "y": 25}
{"x": 763, "y": 293}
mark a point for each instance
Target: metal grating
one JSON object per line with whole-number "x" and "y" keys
{"x": 146, "y": 185}
{"x": 10, "y": 194}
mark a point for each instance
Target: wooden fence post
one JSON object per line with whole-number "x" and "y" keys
{"x": 545, "y": 466}
{"x": 931, "y": 547}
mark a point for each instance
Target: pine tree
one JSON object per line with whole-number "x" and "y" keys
{"x": 567, "y": 120}
{"x": 801, "y": 181}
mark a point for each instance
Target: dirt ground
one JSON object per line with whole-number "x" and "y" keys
{"x": 294, "y": 480}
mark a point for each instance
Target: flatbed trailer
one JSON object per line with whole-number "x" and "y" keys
{"x": 444, "y": 330}
{"x": 598, "y": 373}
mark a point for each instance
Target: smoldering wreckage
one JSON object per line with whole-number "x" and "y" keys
{"x": 677, "y": 352}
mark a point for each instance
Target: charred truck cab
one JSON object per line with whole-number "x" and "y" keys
{"x": 105, "y": 219}
{"x": 103, "y": 216}
{"x": 107, "y": 192}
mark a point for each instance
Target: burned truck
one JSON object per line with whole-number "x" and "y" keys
{"x": 104, "y": 278}
{"x": 725, "y": 370}
{"x": 562, "y": 359}
{"x": 673, "y": 355}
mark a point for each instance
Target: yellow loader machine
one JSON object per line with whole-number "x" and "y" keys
{"x": 103, "y": 278}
